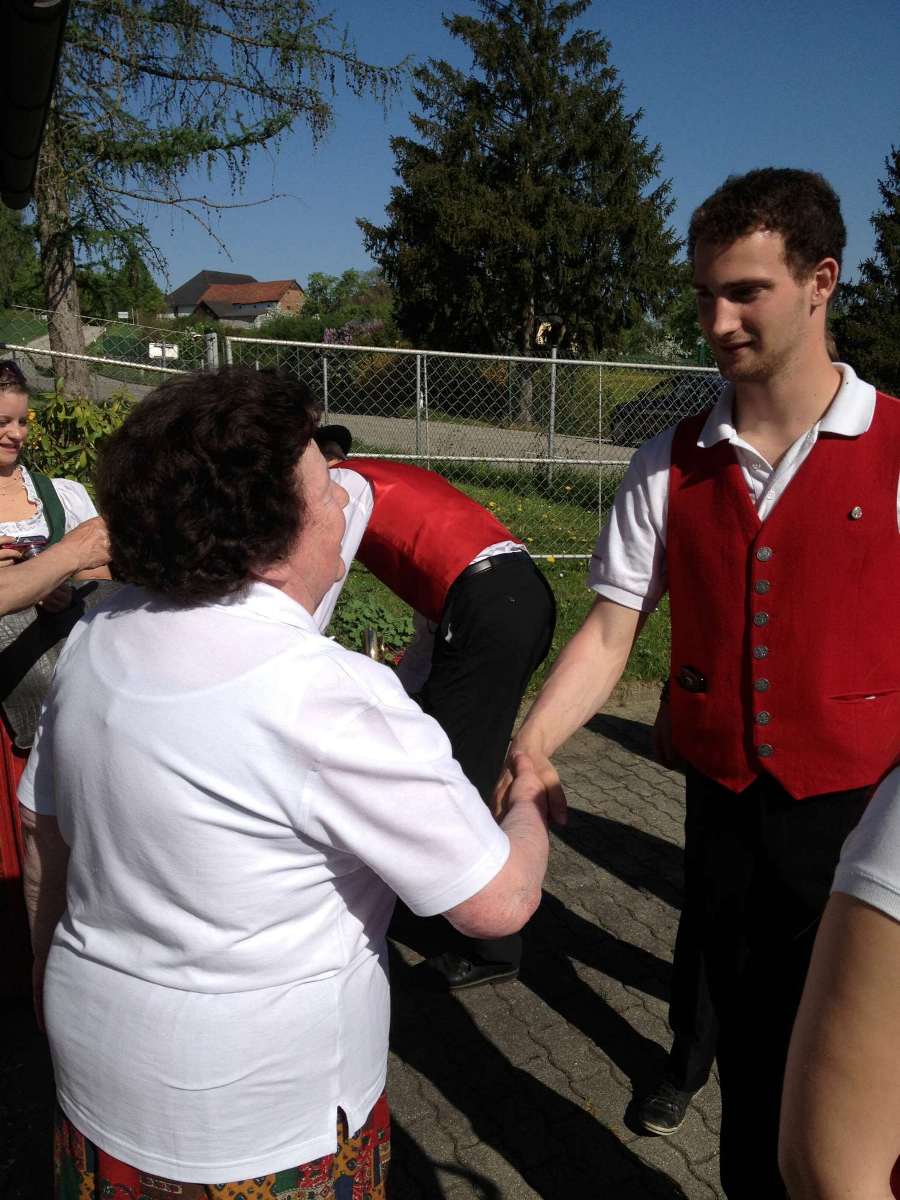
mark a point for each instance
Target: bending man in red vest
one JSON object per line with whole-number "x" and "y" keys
{"x": 485, "y": 617}
{"x": 773, "y": 522}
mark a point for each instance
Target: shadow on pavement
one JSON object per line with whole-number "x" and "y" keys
{"x": 633, "y": 855}
{"x": 554, "y": 938}
{"x": 414, "y": 1176}
{"x": 633, "y": 735}
{"x": 558, "y": 1148}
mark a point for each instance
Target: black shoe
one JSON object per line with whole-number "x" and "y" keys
{"x": 459, "y": 973}
{"x": 663, "y": 1110}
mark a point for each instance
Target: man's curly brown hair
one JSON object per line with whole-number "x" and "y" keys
{"x": 800, "y": 205}
{"x": 198, "y": 485}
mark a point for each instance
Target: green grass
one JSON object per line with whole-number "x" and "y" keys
{"x": 20, "y": 328}
{"x": 529, "y": 517}
{"x": 131, "y": 344}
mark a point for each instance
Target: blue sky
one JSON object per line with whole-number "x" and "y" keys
{"x": 724, "y": 87}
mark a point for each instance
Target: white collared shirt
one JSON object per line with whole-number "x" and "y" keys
{"x": 629, "y": 560}
{"x": 242, "y": 798}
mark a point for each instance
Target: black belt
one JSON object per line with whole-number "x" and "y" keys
{"x": 492, "y": 563}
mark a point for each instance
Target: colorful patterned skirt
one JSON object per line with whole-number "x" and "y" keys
{"x": 356, "y": 1171}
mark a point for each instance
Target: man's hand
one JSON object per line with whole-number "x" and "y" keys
{"x": 10, "y": 555}
{"x": 526, "y": 769}
{"x": 89, "y": 542}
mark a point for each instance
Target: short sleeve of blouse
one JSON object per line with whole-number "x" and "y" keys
{"x": 869, "y": 867}
{"x": 77, "y": 504}
{"x": 388, "y": 792}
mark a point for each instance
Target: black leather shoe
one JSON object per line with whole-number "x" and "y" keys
{"x": 459, "y": 973}
{"x": 663, "y": 1110}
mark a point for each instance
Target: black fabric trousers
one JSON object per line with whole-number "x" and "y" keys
{"x": 758, "y": 872}
{"x": 692, "y": 1017}
{"x": 495, "y": 630}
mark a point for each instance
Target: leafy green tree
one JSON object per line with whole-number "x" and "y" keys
{"x": 148, "y": 93}
{"x": 357, "y": 303}
{"x": 530, "y": 193}
{"x": 19, "y": 267}
{"x": 105, "y": 290}
{"x": 866, "y": 324}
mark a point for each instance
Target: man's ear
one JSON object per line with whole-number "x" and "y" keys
{"x": 825, "y": 280}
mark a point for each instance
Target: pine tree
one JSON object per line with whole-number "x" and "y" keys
{"x": 867, "y": 325}
{"x": 150, "y": 92}
{"x": 529, "y": 194}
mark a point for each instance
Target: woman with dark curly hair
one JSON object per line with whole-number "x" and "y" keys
{"x": 220, "y": 807}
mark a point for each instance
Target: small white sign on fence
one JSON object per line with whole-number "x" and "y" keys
{"x": 163, "y": 350}
{"x": 123, "y": 316}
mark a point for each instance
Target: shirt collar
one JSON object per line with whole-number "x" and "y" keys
{"x": 849, "y": 414}
{"x": 267, "y": 603}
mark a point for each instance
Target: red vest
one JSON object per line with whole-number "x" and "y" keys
{"x": 791, "y": 622}
{"x": 422, "y": 532}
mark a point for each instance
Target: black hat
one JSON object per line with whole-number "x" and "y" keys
{"x": 340, "y": 435}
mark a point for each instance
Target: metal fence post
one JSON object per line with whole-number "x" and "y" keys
{"x": 418, "y": 404}
{"x": 211, "y": 354}
{"x": 325, "y": 383}
{"x": 425, "y": 407}
{"x": 600, "y": 447}
{"x": 229, "y": 358}
{"x": 551, "y": 426}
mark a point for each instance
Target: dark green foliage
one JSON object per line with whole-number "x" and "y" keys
{"x": 530, "y": 193}
{"x": 20, "y": 275}
{"x": 66, "y": 434}
{"x": 353, "y": 308}
{"x": 367, "y": 605}
{"x": 107, "y": 290}
{"x": 866, "y": 323}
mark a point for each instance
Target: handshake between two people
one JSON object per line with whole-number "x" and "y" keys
{"x": 530, "y": 777}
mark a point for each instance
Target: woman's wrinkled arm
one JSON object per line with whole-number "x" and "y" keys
{"x": 83, "y": 549}
{"x": 840, "y": 1115}
{"x": 44, "y": 878}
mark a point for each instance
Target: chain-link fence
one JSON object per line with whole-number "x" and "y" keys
{"x": 121, "y": 355}
{"x": 544, "y": 442}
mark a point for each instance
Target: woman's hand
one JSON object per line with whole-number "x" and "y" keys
{"x": 10, "y": 555}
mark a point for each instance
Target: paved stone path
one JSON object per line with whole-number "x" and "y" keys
{"x": 518, "y": 1090}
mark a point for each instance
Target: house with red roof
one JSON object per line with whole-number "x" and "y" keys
{"x": 237, "y": 300}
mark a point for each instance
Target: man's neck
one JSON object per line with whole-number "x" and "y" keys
{"x": 771, "y": 415}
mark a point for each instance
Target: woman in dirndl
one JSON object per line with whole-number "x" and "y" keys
{"x": 34, "y": 512}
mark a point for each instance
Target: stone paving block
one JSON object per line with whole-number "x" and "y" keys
{"x": 670, "y": 1157}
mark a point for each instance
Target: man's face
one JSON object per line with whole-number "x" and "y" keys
{"x": 755, "y": 315}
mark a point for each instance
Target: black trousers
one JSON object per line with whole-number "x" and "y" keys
{"x": 758, "y": 872}
{"x": 495, "y": 630}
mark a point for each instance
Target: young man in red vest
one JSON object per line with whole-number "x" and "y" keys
{"x": 773, "y": 522}
{"x": 484, "y": 618}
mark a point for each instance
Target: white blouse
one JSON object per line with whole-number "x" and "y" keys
{"x": 77, "y": 506}
{"x": 242, "y": 798}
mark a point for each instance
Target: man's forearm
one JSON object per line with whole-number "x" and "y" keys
{"x": 581, "y": 679}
